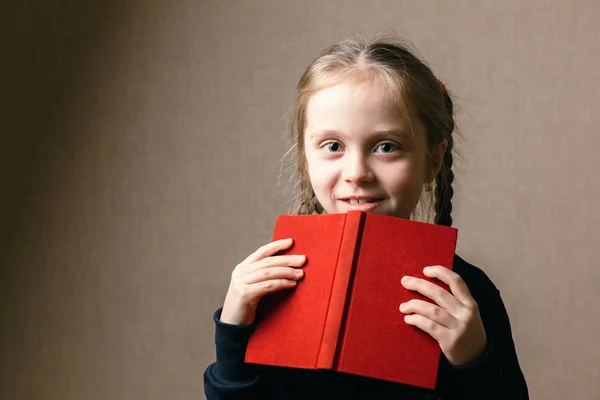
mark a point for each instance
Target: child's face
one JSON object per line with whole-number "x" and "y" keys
{"x": 361, "y": 152}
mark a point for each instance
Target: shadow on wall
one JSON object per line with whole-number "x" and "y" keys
{"x": 47, "y": 51}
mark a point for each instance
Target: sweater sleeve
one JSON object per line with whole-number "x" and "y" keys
{"x": 230, "y": 378}
{"x": 496, "y": 375}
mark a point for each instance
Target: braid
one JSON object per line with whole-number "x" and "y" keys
{"x": 308, "y": 203}
{"x": 444, "y": 180}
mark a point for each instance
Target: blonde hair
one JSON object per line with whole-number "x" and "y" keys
{"x": 406, "y": 80}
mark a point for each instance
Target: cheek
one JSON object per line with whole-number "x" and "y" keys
{"x": 322, "y": 174}
{"x": 403, "y": 176}
{"x": 404, "y": 182}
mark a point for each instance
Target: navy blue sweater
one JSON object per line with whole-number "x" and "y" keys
{"x": 495, "y": 375}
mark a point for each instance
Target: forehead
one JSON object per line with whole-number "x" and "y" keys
{"x": 357, "y": 107}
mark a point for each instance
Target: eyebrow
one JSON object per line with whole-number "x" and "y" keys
{"x": 378, "y": 132}
{"x": 324, "y": 132}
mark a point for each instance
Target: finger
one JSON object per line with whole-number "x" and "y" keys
{"x": 268, "y": 250}
{"x": 430, "y": 311}
{"x": 265, "y": 274}
{"x": 279, "y": 261}
{"x": 261, "y": 289}
{"x": 457, "y": 285}
{"x": 435, "y": 330}
{"x": 434, "y": 292}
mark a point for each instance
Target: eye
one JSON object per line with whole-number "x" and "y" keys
{"x": 333, "y": 147}
{"x": 387, "y": 147}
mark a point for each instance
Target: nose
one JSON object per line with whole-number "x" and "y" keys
{"x": 356, "y": 169}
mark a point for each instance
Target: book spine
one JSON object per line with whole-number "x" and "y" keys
{"x": 337, "y": 302}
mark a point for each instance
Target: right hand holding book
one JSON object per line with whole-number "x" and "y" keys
{"x": 259, "y": 274}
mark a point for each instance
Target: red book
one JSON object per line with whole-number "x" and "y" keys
{"x": 344, "y": 314}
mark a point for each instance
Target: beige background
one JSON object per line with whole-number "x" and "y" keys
{"x": 139, "y": 161}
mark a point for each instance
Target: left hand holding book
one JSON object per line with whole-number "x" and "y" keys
{"x": 453, "y": 320}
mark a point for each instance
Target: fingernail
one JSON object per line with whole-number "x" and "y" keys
{"x": 405, "y": 279}
{"x": 299, "y": 272}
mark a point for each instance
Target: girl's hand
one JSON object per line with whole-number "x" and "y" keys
{"x": 454, "y": 322}
{"x": 259, "y": 274}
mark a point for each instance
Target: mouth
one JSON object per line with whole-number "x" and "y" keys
{"x": 362, "y": 203}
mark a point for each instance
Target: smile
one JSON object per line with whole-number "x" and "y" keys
{"x": 362, "y": 204}
{"x": 361, "y": 201}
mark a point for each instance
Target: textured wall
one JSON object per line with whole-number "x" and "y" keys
{"x": 139, "y": 160}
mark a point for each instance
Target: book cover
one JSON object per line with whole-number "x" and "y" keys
{"x": 343, "y": 315}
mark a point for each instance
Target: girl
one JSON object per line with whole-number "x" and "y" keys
{"x": 373, "y": 128}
